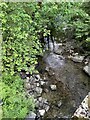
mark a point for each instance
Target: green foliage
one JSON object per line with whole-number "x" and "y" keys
{"x": 73, "y": 19}
{"x": 20, "y": 41}
{"x": 16, "y": 105}
{"x": 22, "y": 26}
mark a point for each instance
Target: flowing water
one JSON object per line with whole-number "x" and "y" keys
{"x": 71, "y": 82}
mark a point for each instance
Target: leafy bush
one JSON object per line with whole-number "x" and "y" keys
{"x": 20, "y": 41}
{"x": 15, "y": 103}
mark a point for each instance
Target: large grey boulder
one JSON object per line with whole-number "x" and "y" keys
{"x": 87, "y": 69}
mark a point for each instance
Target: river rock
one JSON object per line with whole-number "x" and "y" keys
{"x": 75, "y": 54}
{"x": 87, "y": 69}
{"x": 37, "y": 77}
{"x": 32, "y": 78}
{"x": 71, "y": 51}
{"x": 31, "y": 116}
{"x": 42, "y": 82}
{"x": 59, "y": 103}
{"x": 47, "y": 107}
{"x": 78, "y": 58}
{"x": 70, "y": 57}
{"x": 59, "y": 51}
{"x": 53, "y": 87}
{"x": 47, "y": 69}
{"x": 42, "y": 112}
{"x": 37, "y": 104}
{"x": 27, "y": 85}
{"x": 40, "y": 99}
{"x": 83, "y": 110}
{"x": 27, "y": 80}
{"x": 46, "y": 90}
{"x": 38, "y": 90}
{"x": 37, "y": 84}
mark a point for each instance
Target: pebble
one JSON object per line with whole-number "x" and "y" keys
{"x": 60, "y": 44}
{"x": 75, "y": 54}
{"x": 42, "y": 82}
{"x": 53, "y": 87}
{"x": 87, "y": 69}
{"x": 47, "y": 107}
{"x": 78, "y": 58}
{"x": 27, "y": 86}
{"x": 71, "y": 51}
{"x": 47, "y": 69}
{"x": 37, "y": 84}
{"x": 37, "y": 77}
{"x": 27, "y": 73}
{"x": 31, "y": 116}
{"x": 59, "y": 103}
{"x": 38, "y": 90}
{"x": 46, "y": 90}
{"x": 42, "y": 112}
{"x": 27, "y": 78}
{"x": 40, "y": 99}
{"x": 70, "y": 56}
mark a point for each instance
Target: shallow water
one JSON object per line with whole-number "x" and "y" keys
{"x": 72, "y": 84}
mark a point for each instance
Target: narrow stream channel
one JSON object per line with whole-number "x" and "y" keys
{"x": 72, "y": 84}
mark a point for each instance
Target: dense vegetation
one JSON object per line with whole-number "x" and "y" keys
{"x": 24, "y": 26}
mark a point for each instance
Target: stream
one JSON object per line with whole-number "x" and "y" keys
{"x": 72, "y": 84}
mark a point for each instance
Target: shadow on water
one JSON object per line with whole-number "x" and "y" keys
{"x": 72, "y": 84}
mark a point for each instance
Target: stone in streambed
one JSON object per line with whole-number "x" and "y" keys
{"x": 37, "y": 84}
{"x": 78, "y": 58}
{"x": 31, "y": 116}
{"x": 37, "y": 77}
{"x": 27, "y": 85}
{"x": 47, "y": 107}
{"x": 53, "y": 87}
{"x": 59, "y": 103}
{"x": 42, "y": 82}
{"x": 38, "y": 90}
{"x": 47, "y": 69}
{"x": 42, "y": 112}
{"x": 83, "y": 110}
{"x": 87, "y": 69}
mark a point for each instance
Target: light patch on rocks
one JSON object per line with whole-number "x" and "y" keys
{"x": 83, "y": 111}
{"x": 53, "y": 87}
{"x": 31, "y": 116}
{"x": 42, "y": 82}
{"x": 37, "y": 77}
{"x": 78, "y": 58}
{"x": 59, "y": 103}
{"x": 42, "y": 112}
{"x": 87, "y": 69}
{"x": 38, "y": 90}
{"x": 37, "y": 84}
{"x": 27, "y": 85}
